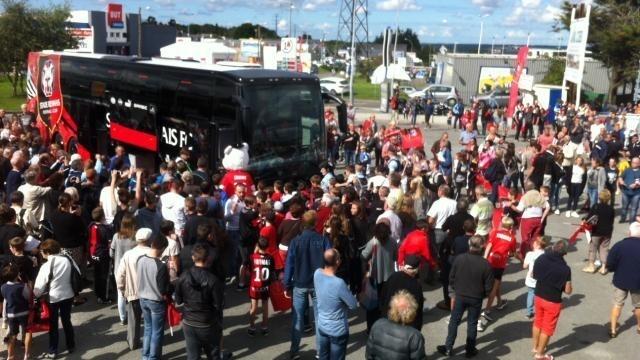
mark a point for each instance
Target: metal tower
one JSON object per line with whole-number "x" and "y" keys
{"x": 353, "y": 21}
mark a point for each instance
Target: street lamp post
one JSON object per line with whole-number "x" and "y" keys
{"x": 493, "y": 41}
{"x": 290, "y": 12}
{"x": 481, "y": 31}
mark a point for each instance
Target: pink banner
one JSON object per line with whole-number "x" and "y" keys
{"x": 521, "y": 63}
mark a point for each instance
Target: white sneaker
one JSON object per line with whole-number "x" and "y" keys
{"x": 568, "y": 214}
{"x": 557, "y": 212}
{"x": 480, "y": 327}
{"x": 575, "y": 214}
{"x": 448, "y": 319}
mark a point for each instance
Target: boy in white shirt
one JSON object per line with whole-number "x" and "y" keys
{"x": 538, "y": 249}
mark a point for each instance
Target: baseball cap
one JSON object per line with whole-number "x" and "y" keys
{"x": 412, "y": 262}
{"x": 143, "y": 234}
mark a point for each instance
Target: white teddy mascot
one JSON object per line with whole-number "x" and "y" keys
{"x": 235, "y": 161}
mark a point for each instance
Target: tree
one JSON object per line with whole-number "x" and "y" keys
{"x": 151, "y": 20}
{"x": 614, "y": 37}
{"x": 555, "y": 74}
{"x": 24, "y": 29}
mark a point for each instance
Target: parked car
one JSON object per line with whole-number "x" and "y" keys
{"x": 496, "y": 98}
{"x": 406, "y": 89}
{"x": 335, "y": 85}
{"x": 444, "y": 94}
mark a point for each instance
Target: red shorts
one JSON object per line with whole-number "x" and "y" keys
{"x": 259, "y": 293}
{"x": 546, "y": 315}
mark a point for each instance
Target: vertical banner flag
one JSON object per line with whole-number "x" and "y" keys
{"x": 521, "y": 63}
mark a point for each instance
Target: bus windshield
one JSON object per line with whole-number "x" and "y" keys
{"x": 284, "y": 123}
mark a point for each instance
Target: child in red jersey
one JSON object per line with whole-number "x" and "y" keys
{"x": 501, "y": 245}
{"x": 262, "y": 271}
{"x": 269, "y": 231}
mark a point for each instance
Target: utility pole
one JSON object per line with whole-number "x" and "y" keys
{"x": 493, "y": 41}
{"x": 480, "y": 39}
{"x": 276, "y": 27}
{"x": 290, "y": 12}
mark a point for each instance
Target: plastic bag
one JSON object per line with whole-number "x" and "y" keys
{"x": 279, "y": 299}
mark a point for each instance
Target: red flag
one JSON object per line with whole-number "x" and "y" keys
{"x": 521, "y": 63}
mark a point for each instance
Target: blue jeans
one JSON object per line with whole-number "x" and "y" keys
{"x": 629, "y": 200}
{"x": 473, "y": 307}
{"x": 554, "y": 196}
{"x": 349, "y": 157}
{"x": 62, "y": 310}
{"x": 593, "y": 196}
{"x": 300, "y": 304}
{"x": 530, "y": 297}
{"x": 332, "y": 347}
{"x": 153, "y": 313}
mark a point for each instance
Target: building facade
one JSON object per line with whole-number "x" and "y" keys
{"x": 473, "y": 74}
{"x": 116, "y": 32}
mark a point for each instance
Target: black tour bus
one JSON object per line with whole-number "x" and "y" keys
{"x": 89, "y": 103}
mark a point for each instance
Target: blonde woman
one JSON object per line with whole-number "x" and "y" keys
{"x": 420, "y": 199}
{"x": 123, "y": 241}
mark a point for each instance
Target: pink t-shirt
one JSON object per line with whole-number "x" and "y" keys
{"x": 545, "y": 141}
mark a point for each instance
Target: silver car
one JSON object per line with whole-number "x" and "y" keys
{"x": 443, "y": 94}
{"x": 496, "y": 98}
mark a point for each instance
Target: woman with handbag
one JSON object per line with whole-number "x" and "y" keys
{"x": 54, "y": 280}
{"x": 381, "y": 252}
{"x": 70, "y": 231}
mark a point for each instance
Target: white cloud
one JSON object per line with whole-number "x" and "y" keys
{"x": 531, "y": 11}
{"x": 424, "y": 32}
{"x": 324, "y": 26}
{"x": 401, "y": 5}
{"x": 550, "y": 14}
{"x": 447, "y": 32}
{"x": 519, "y": 34}
{"x": 283, "y": 25}
{"x": 531, "y": 4}
{"x": 311, "y": 5}
{"x": 486, "y": 6}
{"x": 165, "y": 3}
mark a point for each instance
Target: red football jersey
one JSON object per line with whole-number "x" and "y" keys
{"x": 502, "y": 243}
{"x": 262, "y": 270}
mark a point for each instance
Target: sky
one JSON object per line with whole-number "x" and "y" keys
{"x": 436, "y": 21}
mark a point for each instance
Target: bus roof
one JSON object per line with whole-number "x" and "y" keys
{"x": 237, "y": 72}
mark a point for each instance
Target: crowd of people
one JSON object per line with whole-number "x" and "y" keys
{"x": 177, "y": 239}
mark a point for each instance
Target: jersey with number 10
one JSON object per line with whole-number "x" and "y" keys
{"x": 262, "y": 270}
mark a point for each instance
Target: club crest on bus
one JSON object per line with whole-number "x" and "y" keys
{"x": 48, "y": 74}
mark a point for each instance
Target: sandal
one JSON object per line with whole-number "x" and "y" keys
{"x": 613, "y": 334}
{"x": 544, "y": 357}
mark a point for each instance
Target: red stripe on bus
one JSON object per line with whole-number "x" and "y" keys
{"x": 133, "y": 137}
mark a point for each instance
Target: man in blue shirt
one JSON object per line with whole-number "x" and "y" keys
{"x": 623, "y": 261}
{"x": 334, "y": 300}
{"x": 468, "y": 134}
{"x": 629, "y": 183}
{"x": 327, "y": 175}
{"x": 305, "y": 256}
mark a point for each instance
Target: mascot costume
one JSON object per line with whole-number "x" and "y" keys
{"x": 235, "y": 162}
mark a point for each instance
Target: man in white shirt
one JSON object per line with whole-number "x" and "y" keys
{"x": 35, "y": 199}
{"x": 440, "y": 210}
{"x": 394, "y": 221}
{"x": 172, "y": 206}
{"x": 232, "y": 210}
{"x": 482, "y": 212}
{"x": 532, "y": 206}
{"x": 377, "y": 180}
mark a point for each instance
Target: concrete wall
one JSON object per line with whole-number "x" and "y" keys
{"x": 463, "y": 71}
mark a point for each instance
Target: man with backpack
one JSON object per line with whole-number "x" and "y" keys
{"x": 201, "y": 295}
{"x": 457, "y": 111}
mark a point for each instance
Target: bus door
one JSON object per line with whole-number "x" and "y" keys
{"x": 186, "y": 124}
